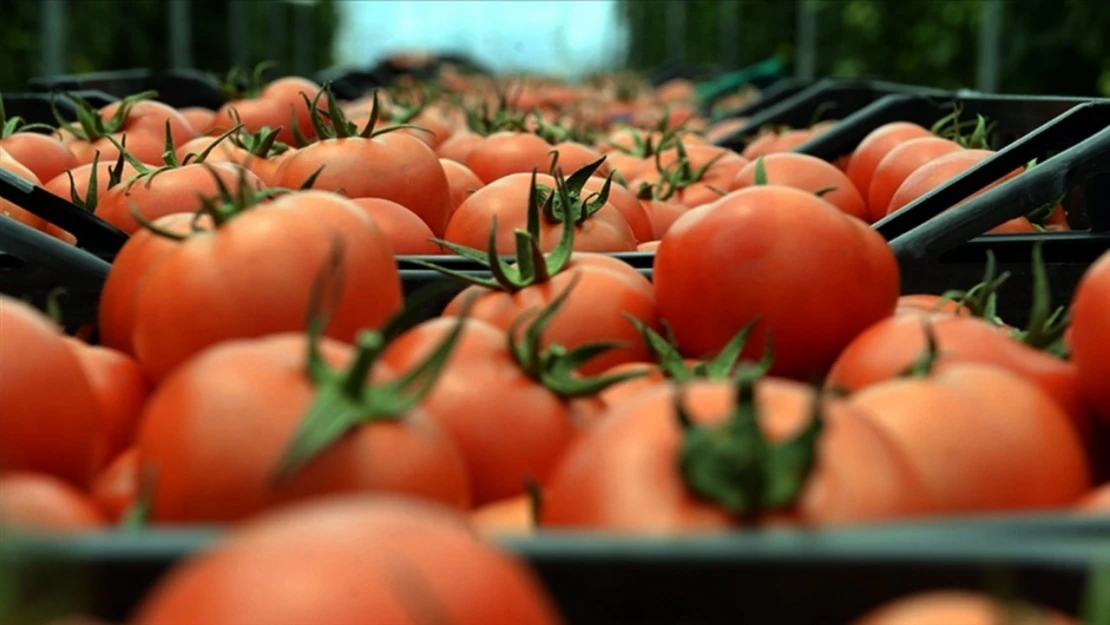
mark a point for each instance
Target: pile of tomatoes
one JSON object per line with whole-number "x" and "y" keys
{"x": 255, "y": 363}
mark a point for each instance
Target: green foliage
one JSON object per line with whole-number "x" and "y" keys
{"x": 1049, "y": 46}
{"x": 125, "y": 34}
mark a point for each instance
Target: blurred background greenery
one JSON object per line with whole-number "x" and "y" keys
{"x": 1047, "y": 46}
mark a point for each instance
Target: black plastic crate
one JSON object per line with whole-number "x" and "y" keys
{"x": 179, "y": 88}
{"x": 34, "y": 108}
{"x": 774, "y": 93}
{"x": 838, "y": 98}
{"x": 794, "y": 577}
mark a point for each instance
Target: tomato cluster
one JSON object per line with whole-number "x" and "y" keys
{"x": 255, "y": 352}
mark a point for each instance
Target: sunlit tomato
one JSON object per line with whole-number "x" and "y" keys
{"x": 807, "y": 173}
{"x": 43, "y": 503}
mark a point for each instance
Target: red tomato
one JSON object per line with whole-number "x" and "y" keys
{"x": 258, "y": 113}
{"x": 719, "y": 131}
{"x": 241, "y": 402}
{"x": 459, "y": 146}
{"x": 770, "y": 239}
{"x": 254, "y": 276}
{"x": 201, "y": 119}
{"x": 720, "y": 168}
{"x": 772, "y": 143}
{"x": 512, "y": 516}
{"x": 629, "y": 206}
{"x": 44, "y": 155}
{"x": 627, "y": 165}
{"x": 955, "y": 607}
{"x": 406, "y": 233}
{"x": 650, "y": 246}
{"x": 897, "y": 165}
{"x": 875, "y": 146}
{"x": 607, "y": 288}
{"x": 624, "y": 474}
{"x": 392, "y": 166}
{"x": 505, "y": 153}
{"x": 809, "y": 174}
{"x": 506, "y": 199}
{"x": 82, "y": 177}
{"x": 574, "y": 156}
{"x": 120, "y": 389}
{"x": 662, "y": 216}
{"x": 963, "y": 422}
{"x": 460, "y": 180}
{"x": 1090, "y": 339}
{"x": 9, "y": 209}
{"x": 49, "y": 415}
{"x": 291, "y": 92}
{"x": 264, "y": 167}
{"x": 519, "y": 435}
{"x": 395, "y": 559}
{"x": 115, "y": 489}
{"x": 43, "y": 503}
{"x": 144, "y": 127}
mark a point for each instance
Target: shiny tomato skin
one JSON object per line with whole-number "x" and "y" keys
{"x": 1090, "y": 338}
{"x": 120, "y": 389}
{"x": 44, "y": 155}
{"x": 393, "y": 166}
{"x": 627, "y": 203}
{"x": 752, "y": 255}
{"x": 241, "y": 402}
{"x": 406, "y": 232}
{"x": 807, "y": 173}
{"x": 393, "y": 562}
{"x": 505, "y": 153}
{"x": 459, "y": 146}
{"x": 897, "y": 165}
{"x": 875, "y": 146}
{"x": 49, "y": 416}
{"x": 460, "y": 180}
{"x": 291, "y": 93}
{"x": 255, "y": 274}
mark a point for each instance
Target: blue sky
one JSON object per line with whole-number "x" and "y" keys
{"x": 564, "y": 37}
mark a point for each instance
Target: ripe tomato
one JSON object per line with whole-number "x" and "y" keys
{"x": 120, "y": 389}
{"x": 115, "y": 489}
{"x": 459, "y": 146}
{"x": 719, "y": 131}
{"x": 764, "y": 243}
{"x": 650, "y": 246}
{"x": 392, "y": 166}
{"x": 574, "y": 156}
{"x": 955, "y": 607}
{"x": 506, "y": 199}
{"x": 406, "y": 233}
{"x": 142, "y": 122}
{"x": 809, "y": 174}
{"x": 9, "y": 209}
{"x": 875, "y": 146}
{"x": 627, "y": 165}
{"x": 254, "y": 276}
{"x": 520, "y": 434}
{"x": 627, "y": 203}
{"x": 607, "y": 289}
{"x": 966, "y": 430}
{"x": 396, "y": 560}
{"x": 175, "y": 190}
{"x": 265, "y": 167}
{"x": 927, "y": 303}
{"x": 43, "y": 155}
{"x": 1090, "y": 339}
{"x": 291, "y": 92}
{"x": 201, "y": 119}
{"x": 625, "y": 473}
{"x": 512, "y": 516}
{"x": 460, "y": 180}
{"x": 258, "y": 113}
{"x": 772, "y": 143}
{"x": 44, "y": 503}
{"x": 82, "y": 177}
{"x": 653, "y": 376}
{"x": 224, "y": 469}
{"x": 662, "y": 216}
{"x": 49, "y": 415}
{"x": 505, "y": 153}
{"x": 897, "y": 165}
{"x": 713, "y": 169}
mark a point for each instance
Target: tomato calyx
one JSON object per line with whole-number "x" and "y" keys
{"x": 736, "y": 466}
{"x": 9, "y": 127}
{"x": 346, "y": 399}
{"x": 681, "y": 174}
{"x": 981, "y": 300}
{"x": 532, "y": 266}
{"x": 333, "y": 123}
{"x": 725, "y": 365}
{"x": 91, "y": 125}
{"x": 1046, "y": 328}
{"x": 950, "y": 127}
{"x": 566, "y": 197}
{"x": 485, "y": 121}
{"x": 263, "y": 144}
{"x": 922, "y": 366}
{"x": 555, "y": 366}
{"x": 169, "y": 158}
{"x": 239, "y": 85}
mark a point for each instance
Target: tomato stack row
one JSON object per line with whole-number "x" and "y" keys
{"x": 261, "y": 362}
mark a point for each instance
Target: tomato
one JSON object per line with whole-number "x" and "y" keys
{"x": 294, "y": 93}
{"x": 175, "y": 190}
{"x": 627, "y": 203}
{"x": 265, "y": 167}
{"x": 724, "y": 129}
{"x": 10, "y": 209}
{"x": 662, "y": 216}
{"x": 919, "y": 303}
{"x": 956, "y": 607}
{"x": 120, "y": 389}
{"x": 897, "y": 165}
{"x": 406, "y": 233}
{"x": 201, "y": 119}
{"x": 398, "y": 562}
{"x": 702, "y": 178}
{"x": 809, "y": 174}
{"x": 142, "y": 122}
{"x": 393, "y": 166}
{"x": 875, "y": 146}
{"x": 460, "y": 180}
{"x": 512, "y": 516}
{"x": 625, "y": 473}
{"x": 258, "y": 113}
{"x": 505, "y": 153}
{"x": 772, "y": 143}
{"x": 653, "y": 376}
{"x": 887, "y": 348}
{"x": 459, "y": 146}
{"x": 49, "y": 415}
{"x": 753, "y": 254}
{"x": 574, "y": 156}
{"x": 115, "y": 489}
{"x": 942, "y": 169}
{"x": 255, "y": 274}
{"x": 433, "y": 128}
{"x": 968, "y": 429}
{"x": 224, "y": 469}
{"x": 506, "y": 199}
{"x": 82, "y": 177}
{"x": 606, "y": 289}
{"x": 44, "y": 155}
{"x": 116, "y": 312}
{"x": 43, "y": 503}
{"x": 627, "y": 165}
{"x": 1090, "y": 338}
{"x": 650, "y": 246}
{"x": 518, "y": 432}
